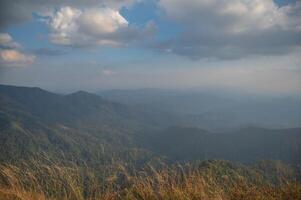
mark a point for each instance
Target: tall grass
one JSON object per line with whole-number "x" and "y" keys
{"x": 208, "y": 180}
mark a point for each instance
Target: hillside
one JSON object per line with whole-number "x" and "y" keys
{"x": 54, "y": 108}
{"x": 78, "y": 126}
{"x": 216, "y": 111}
{"x": 84, "y": 126}
{"x": 245, "y": 145}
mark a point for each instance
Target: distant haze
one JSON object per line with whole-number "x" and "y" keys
{"x": 239, "y": 46}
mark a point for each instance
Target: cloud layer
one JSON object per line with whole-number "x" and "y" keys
{"x": 11, "y": 53}
{"x": 232, "y": 28}
{"x": 78, "y": 23}
{"x": 19, "y": 11}
{"x": 222, "y": 29}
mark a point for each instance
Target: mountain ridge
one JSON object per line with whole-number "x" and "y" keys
{"x": 81, "y": 125}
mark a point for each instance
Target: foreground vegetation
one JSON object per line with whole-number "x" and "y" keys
{"x": 202, "y": 180}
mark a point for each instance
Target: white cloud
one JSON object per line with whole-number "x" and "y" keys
{"x": 232, "y": 28}
{"x": 101, "y": 21}
{"x": 6, "y": 41}
{"x": 19, "y": 11}
{"x": 10, "y": 53}
{"x": 108, "y": 72}
{"x": 233, "y": 16}
{"x": 15, "y": 58}
{"x": 63, "y": 25}
{"x": 92, "y": 26}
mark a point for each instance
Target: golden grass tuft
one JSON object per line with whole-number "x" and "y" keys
{"x": 51, "y": 181}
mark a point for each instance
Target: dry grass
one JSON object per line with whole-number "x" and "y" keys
{"x": 38, "y": 181}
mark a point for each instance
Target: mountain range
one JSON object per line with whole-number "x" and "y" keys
{"x": 86, "y": 127}
{"x": 216, "y": 111}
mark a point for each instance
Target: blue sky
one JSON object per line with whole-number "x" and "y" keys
{"x": 231, "y": 45}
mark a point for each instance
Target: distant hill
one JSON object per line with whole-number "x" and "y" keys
{"x": 244, "y": 145}
{"x": 79, "y": 126}
{"x": 215, "y": 111}
{"x": 51, "y": 108}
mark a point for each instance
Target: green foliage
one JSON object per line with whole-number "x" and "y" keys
{"x": 245, "y": 145}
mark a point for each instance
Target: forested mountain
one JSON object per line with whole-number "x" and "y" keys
{"x": 54, "y": 108}
{"x": 244, "y": 145}
{"x": 79, "y": 126}
{"x": 86, "y": 127}
{"x": 214, "y": 110}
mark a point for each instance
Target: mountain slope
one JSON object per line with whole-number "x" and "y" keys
{"x": 53, "y": 108}
{"x": 84, "y": 127}
{"x": 79, "y": 126}
{"x": 245, "y": 145}
{"x": 216, "y": 111}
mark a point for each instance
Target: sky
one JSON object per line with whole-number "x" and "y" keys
{"x": 237, "y": 45}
